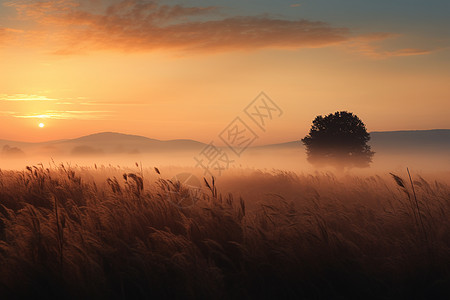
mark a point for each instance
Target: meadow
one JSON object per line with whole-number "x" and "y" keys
{"x": 125, "y": 233}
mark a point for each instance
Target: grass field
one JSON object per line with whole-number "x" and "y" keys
{"x": 118, "y": 233}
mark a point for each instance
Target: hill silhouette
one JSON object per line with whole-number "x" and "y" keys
{"x": 107, "y": 143}
{"x": 437, "y": 140}
{"x": 412, "y": 140}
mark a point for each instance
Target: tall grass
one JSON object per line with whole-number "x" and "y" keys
{"x": 109, "y": 233}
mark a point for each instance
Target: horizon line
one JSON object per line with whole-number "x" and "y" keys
{"x": 187, "y": 139}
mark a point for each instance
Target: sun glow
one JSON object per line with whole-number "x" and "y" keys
{"x": 41, "y": 125}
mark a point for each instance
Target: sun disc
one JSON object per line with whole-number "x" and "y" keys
{"x": 41, "y": 125}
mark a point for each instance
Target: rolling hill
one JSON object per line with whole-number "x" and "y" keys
{"x": 117, "y": 143}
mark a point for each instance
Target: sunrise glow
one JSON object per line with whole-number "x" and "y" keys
{"x": 136, "y": 76}
{"x": 224, "y": 149}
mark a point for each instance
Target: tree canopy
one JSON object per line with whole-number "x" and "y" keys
{"x": 339, "y": 140}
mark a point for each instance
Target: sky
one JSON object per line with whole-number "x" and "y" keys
{"x": 187, "y": 69}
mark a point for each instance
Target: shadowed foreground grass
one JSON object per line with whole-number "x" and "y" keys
{"x": 68, "y": 233}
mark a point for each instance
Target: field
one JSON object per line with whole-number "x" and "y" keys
{"x": 125, "y": 233}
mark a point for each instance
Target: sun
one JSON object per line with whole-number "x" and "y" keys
{"x": 41, "y": 125}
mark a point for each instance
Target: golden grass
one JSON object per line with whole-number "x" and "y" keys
{"x": 113, "y": 232}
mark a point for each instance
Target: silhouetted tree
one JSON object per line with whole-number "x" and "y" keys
{"x": 340, "y": 140}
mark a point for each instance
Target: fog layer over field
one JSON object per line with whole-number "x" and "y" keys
{"x": 423, "y": 151}
{"x": 95, "y": 218}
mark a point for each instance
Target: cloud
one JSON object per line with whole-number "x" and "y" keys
{"x": 409, "y": 52}
{"x": 6, "y": 113}
{"x": 7, "y": 35}
{"x": 99, "y": 103}
{"x": 68, "y": 115}
{"x": 367, "y": 45}
{"x": 65, "y": 108}
{"x": 24, "y": 97}
{"x": 38, "y": 9}
{"x": 54, "y": 11}
{"x": 146, "y": 26}
{"x": 3, "y": 35}
{"x": 81, "y": 26}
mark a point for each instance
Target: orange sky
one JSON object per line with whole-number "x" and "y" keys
{"x": 86, "y": 67}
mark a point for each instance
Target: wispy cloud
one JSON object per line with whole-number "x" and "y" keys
{"x": 368, "y": 45}
{"x": 24, "y": 97}
{"x": 7, "y": 34}
{"x": 78, "y": 101}
{"x": 52, "y": 11}
{"x": 144, "y": 26}
{"x": 72, "y": 107}
{"x": 6, "y": 113}
{"x": 3, "y": 35}
{"x": 113, "y": 104}
{"x": 408, "y": 52}
{"x": 68, "y": 115}
{"x": 80, "y": 26}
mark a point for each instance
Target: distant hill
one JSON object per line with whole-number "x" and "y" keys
{"x": 417, "y": 140}
{"x": 293, "y": 144}
{"x": 408, "y": 140}
{"x": 117, "y": 143}
{"x": 111, "y": 142}
{"x": 105, "y": 143}
{"x": 111, "y": 137}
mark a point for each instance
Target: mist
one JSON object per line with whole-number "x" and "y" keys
{"x": 288, "y": 157}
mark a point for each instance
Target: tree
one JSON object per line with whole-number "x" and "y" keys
{"x": 339, "y": 140}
